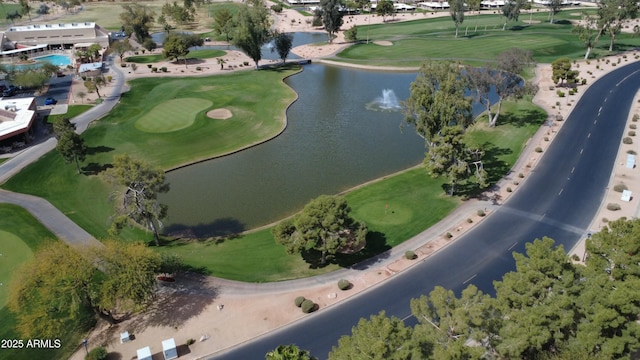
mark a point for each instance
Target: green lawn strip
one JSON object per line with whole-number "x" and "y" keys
{"x": 22, "y": 234}
{"x": 193, "y": 54}
{"x": 415, "y": 41}
{"x": 172, "y": 115}
{"x": 256, "y": 99}
{"x": 72, "y": 111}
{"x": 395, "y": 209}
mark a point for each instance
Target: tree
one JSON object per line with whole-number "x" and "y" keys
{"x": 130, "y": 270}
{"x": 25, "y": 8}
{"x": 503, "y": 81}
{"x": 379, "y": 338}
{"x": 538, "y": 301}
{"x": 149, "y": 45}
{"x": 446, "y": 322}
{"x": 179, "y": 14}
{"x": 511, "y": 11}
{"x": 282, "y": 43}
{"x": 52, "y": 291}
{"x": 613, "y": 15}
{"x": 139, "y": 201}
{"x": 72, "y": 148}
{"x": 177, "y": 46}
{"x": 43, "y": 10}
{"x": 323, "y": 225}
{"x": 223, "y": 23}
{"x": 95, "y": 83}
{"x": 351, "y": 34}
{"x": 137, "y": 20}
{"x": 288, "y": 352}
{"x": 121, "y": 47}
{"x": 252, "y": 30}
{"x": 221, "y": 61}
{"x": 13, "y": 16}
{"x": 561, "y": 71}
{"x": 331, "y": 16}
{"x": 448, "y": 155}
{"x": 474, "y": 5}
{"x": 438, "y": 99}
{"x": 385, "y": 8}
{"x": 456, "y": 9}
{"x": 81, "y": 95}
{"x": 554, "y": 8}
{"x": 589, "y": 33}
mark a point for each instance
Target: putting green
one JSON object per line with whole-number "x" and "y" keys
{"x": 13, "y": 252}
{"x": 172, "y": 115}
{"x": 381, "y": 213}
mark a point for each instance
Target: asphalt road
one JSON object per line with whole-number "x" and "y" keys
{"x": 559, "y": 200}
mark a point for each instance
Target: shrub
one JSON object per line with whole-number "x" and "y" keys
{"x": 620, "y": 188}
{"x": 551, "y": 87}
{"x": 163, "y": 69}
{"x": 198, "y": 68}
{"x": 469, "y": 220}
{"x": 633, "y": 126}
{"x": 308, "y": 306}
{"x": 605, "y": 220}
{"x": 613, "y": 206}
{"x": 123, "y": 64}
{"x": 631, "y": 133}
{"x": 448, "y": 235}
{"x": 509, "y": 189}
{"x": 521, "y": 175}
{"x": 410, "y": 255}
{"x": 627, "y": 140}
{"x": 538, "y": 149}
{"x": 575, "y": 257}
{"x": 613, "y": 64}
{"x": 635, "y": 118}
{"x": 481, "y": 213}
{"x": 190, "y": 342}
{"x": 344, "y": 284}
{"x": 559, "y": 117}
{"x": 560, "y": 93}
{"x": 516, "y": 183}
{"x": 584, "y": 82}
{"x": 109, "y": 78}
{"x": 546, "y": 138}
{"x": 557, "y": 103}
{"x": 99, "y": 353}
{"x": 245, "y": 63}
{"x": 154, "y": 69}
{"x": 299, "y": 300}
{"x": 149, "y": 65}
{"x": 631, "y": 152}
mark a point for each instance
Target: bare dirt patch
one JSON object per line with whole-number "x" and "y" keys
{"x": 219, "y": 114}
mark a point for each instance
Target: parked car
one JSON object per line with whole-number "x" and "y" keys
{"x": 8, "y": 92}
{"x": 50, "y": 101}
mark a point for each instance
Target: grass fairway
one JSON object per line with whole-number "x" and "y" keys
{"x": 172, "y": 115}
{"x": 415, "y": 41}
{"x": 259, "y": 100}
{"x": 13, "y": 252}
{"x": 22, "y": 234}
{"x": 394, "y": 209}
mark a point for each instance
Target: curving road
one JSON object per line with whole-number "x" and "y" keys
{"x": 559, "y": 199}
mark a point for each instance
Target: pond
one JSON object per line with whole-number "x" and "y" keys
{"x": 343, "y": 130}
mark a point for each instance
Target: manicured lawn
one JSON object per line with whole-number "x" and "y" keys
{"x": 415, "y": 41}
{"x": 194, "y": 54}
{"x": 22, "y": 234}
{"x": 72, "y": 111}
{"x": 172, "y": 115}
{"x": 394, "y": 209}
{"x": 84, "y": 198}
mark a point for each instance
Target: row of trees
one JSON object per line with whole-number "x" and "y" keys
{"x": 440, "y": 110}
{"x": 548, "y": 308}
{"x": 610, "y": 19}
{"x": 63, "y": 286}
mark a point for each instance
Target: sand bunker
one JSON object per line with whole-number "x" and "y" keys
{"x": 383, "y": 43}
{"x": 220, "y": 114}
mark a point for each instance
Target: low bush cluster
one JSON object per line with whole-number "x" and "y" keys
{"x": 410, "y": 255}
{"x": 344, "y": 284}
{"x": 308, "y": 306}
{"x": 299, "y": 300}
{"x": 627, "y": 140}
{"x": 99, "y": 353}
{"x": 613, "y": 206}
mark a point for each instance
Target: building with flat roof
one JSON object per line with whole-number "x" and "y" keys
{"x": 16, "y": 116}
{"x": 52, "y": 36}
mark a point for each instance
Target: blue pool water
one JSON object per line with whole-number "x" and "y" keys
{"x": 59, "y": 60}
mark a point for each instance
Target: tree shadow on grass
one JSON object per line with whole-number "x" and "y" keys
{"x": 220, "y": 229}
{"x": 523, "y": 118}
{"x": 363, "y": 259}
{"x": 94, "y": 168}
{"x": 92, "y": 150}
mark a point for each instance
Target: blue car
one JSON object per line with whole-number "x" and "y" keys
{"x": 50, "y": 101}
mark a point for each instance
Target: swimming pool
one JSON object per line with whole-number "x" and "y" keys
{"x": 59, "y": 60}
